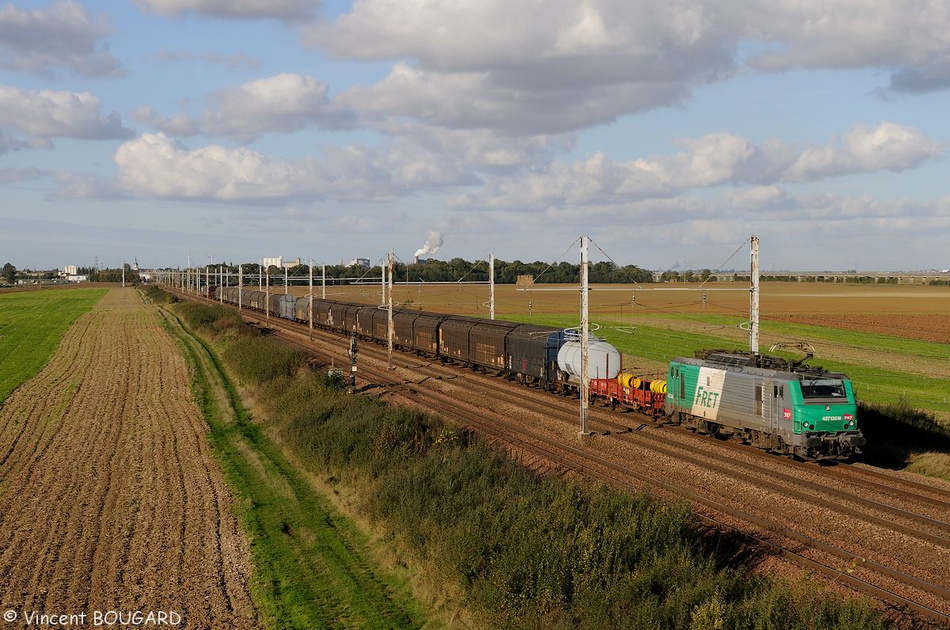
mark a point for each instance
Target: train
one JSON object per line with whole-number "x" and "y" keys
{"x": 779, "y": 405}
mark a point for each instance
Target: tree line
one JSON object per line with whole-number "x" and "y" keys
{"x": 458, "y": 270}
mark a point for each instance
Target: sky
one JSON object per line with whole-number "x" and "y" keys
{"x": 669, "y": 132}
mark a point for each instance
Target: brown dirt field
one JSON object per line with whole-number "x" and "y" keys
{"x": 933, "y": 327}
{"x": 110, "y": 498}
{"x": 910, "y": 311}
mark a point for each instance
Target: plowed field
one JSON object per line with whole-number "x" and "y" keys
{"x": 110, "y": 499}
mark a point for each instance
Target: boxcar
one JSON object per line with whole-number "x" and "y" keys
{"x": 336, "y": 319}
{"x": 373, "y": 322}
{"x": 417, "y": 330}
{"x": 453, "y": 337}
{"x": 287, "y": 307}
{"x": 257, "y": 299}
{"x": 273, "y": 303}
{"x": 479, "y": 342}
{"x": 531, "y": 353}
{"x": 350, "y": 312}
{"x": 302, "y": 309}
{"x": 402, "y": 328}
{"x": 321, "y": 313}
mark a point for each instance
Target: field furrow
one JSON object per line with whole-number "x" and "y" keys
{"x": 110, "y": 498}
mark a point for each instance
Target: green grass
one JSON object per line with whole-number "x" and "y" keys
{"x": 874, "y": 384}
{"x": 32, "y": 324}
{"x": 313, "y": 568}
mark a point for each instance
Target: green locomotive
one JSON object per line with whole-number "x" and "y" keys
{"x": 776, "y": 404}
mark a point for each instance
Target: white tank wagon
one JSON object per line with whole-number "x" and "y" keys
{"x": 603, "y": 360}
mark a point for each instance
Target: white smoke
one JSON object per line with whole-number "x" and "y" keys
{"x": 433, "y": 243}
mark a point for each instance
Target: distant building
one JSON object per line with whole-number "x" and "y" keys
{"x": 280, "y": 263}
{"x": 362, "y": 263}
{"x": 70, "y": 270}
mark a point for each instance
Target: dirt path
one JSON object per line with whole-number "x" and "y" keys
{"x": 110, "y": 499}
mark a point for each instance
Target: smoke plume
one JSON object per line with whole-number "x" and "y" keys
{"x": 433, "y": 243}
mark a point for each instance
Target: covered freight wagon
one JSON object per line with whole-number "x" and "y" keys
{"x": 479, "y": 342}
{"x": 287, "y": 307}
{"x": 256, "y": 299}
{"x": 531, "y": 352}
{"x": 418, "y": 330}
{"x": 373, "y": 322}
{"x": 302, "y": 309}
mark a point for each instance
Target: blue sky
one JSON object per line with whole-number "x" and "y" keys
{"x": 668, "y": 131}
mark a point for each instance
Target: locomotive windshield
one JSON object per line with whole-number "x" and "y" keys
{"x": 822, "y": 389}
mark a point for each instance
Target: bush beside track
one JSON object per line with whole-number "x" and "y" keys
{"x": 526, "y": 551}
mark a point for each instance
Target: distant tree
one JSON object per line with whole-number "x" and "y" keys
{"x": 9, "y": 273}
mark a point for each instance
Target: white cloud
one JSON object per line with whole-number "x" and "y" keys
{"x": 419, "y": 159}
{"x": 155, "y": 166}
{"x": 466, "y": 100}
{"x": 467, "y": 36}
{"x": 711, "y": 160}
{"x": 237, "y": 9}
{"x": 51, "y": 114}
{"x": 527, "y": 67}
{"x": 278, "y": 104}
{"x": 848, "y": 33}
{"x": 564, "y": 65}
{"x": 61, "y": 36}
{"x": 281, "y": 103}
{"x": 888, "y": 146}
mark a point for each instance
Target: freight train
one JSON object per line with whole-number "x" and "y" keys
{"x": 776, "y": 404}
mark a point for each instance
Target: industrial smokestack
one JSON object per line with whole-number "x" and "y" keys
{"x": 433, "y": 243}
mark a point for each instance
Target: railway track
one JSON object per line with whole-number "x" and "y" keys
{"x": 930, "y": 599}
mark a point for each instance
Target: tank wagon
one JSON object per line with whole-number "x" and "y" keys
{"x": 775, "y": 404}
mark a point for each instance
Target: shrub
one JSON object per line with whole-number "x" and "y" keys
{"x": 158, "y": 296}
{"x": 259, "y": 359}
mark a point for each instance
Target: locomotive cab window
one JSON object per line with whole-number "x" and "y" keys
{"x": 823, "y": 389}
